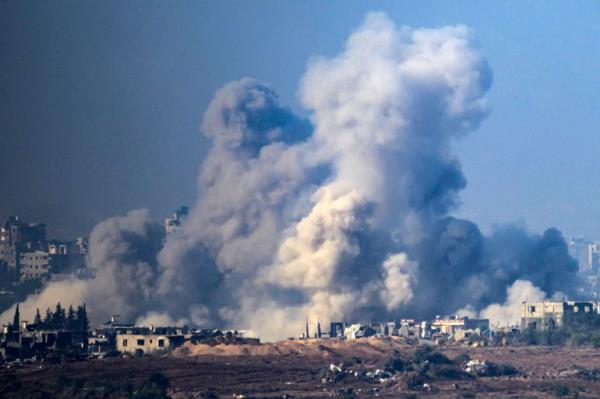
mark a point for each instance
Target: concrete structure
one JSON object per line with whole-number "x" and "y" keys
{"x": 34, "y": 265}
{"x": 336, "y": 329}
{"x": 451, "y": 325}
{"x": 147, "y": 343}
{"x": 409, "y": 328}
{"x": 548, "y": 315}
{"x": 17, "y": 237}
{"x": 586, "y": 253}
{"x": 34, "y": 340}
{"x": 358, "y": 330}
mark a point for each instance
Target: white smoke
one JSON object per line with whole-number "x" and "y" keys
{"x": 509, "y": 313}
{"x": 345, "y": 217}
{"x": 399, "y": 278}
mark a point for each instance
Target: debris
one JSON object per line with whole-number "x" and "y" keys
{"x": 337, "y": 373}
{"x": 579, "y": 372}
{"x": 483, "y": 368}
{"x": 378, "y": 376}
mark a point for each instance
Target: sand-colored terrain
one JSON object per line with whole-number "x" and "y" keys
{"x": 369, "y": 348}
{"x": 303, "y": 369}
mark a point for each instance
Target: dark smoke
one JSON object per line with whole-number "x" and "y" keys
{"x": 345, "y": 217}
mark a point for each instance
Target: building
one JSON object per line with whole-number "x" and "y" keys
{"x": 17, "y": 237}
{"x": 147, "y": 343}
{"x": 548, "y": 315}
{"x": 451, "y": 325}
{"x": 173, "y": 223}
{"x": 34, "y": 265}
{"x": 336, "y": 329}
{"x": 65, "y": 256}
{"x": 354, "y": 331}
{"x": 58, "y": 247}
{"x": 28, "y": 340}
{"x": 409, "y": 328}
{"x": 586, "y": 253}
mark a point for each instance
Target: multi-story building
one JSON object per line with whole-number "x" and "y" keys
{"x": 60, "y": 255}
{"x": 586, "y": 253}
{"x": 17, "y": 237}
{"x": 34, "y": 264}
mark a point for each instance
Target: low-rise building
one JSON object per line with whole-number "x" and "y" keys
{"x": 147, "y": 343}
{"x": 449, "y": 326}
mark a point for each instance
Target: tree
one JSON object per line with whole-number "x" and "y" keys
{"x": 59, "y": 318}
{"x": 70, "y": 319}
{"x": 82, "y": 323}
{"x": 16, "y": 318}
{"x": 38, "y": 318}
{"x": 48, "y": 319}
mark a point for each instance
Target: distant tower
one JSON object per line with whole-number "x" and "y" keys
{"x": 318, "y": 330}
{"x": 306, "y": 335}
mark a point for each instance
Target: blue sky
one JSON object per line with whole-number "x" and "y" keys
{"x": 100, "y": 102}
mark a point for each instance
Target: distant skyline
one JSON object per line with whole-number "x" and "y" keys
{"x": 101, "y": 102}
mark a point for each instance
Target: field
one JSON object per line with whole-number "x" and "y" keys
{"x": 321, "y": 368}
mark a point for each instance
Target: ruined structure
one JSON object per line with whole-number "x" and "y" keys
{"x": 453, "y": 324}
{"x": 549, "y": 315}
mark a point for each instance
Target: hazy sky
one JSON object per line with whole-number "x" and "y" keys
{"x": 100, "y": 102}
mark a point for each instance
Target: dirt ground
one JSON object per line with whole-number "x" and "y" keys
{"x": 297, "y": 369}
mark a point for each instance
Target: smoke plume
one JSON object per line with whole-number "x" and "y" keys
{"x": 346, "y": 216}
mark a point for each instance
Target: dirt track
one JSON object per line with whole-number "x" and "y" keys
{"x": 299, "y": 372}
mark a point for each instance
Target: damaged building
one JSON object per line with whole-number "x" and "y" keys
{"x": 549, "y": 315}
{"x": 30, "y": 340}
{"x": 144, "y": 340}
{"x": 451, "y": 325}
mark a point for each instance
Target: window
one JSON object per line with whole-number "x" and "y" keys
{"x": 124, "y": 342}
{"x": 586, "y": 309}
{"x": 575, "y": 309}
{"x": 532, "y": 309}
{"x": 140, "y": 342}
{"x": 161, "y": 343}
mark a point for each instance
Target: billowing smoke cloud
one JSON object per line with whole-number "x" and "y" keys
{"x": 122, "y": 260}
{"x": 343, "y": 217}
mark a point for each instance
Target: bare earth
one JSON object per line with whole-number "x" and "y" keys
{"x": 297, "y": 369}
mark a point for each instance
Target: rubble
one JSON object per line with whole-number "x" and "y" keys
{"x": 484, "y": 368}
{"x": 336, "y": 373}
{"x": 580, "y": 372}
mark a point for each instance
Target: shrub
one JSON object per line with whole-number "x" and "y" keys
{"x": 561, "y": 390}
{"x": 155, "y": 387}
{"x": 427, "y": 353}
{"x": 394, "y": 365}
